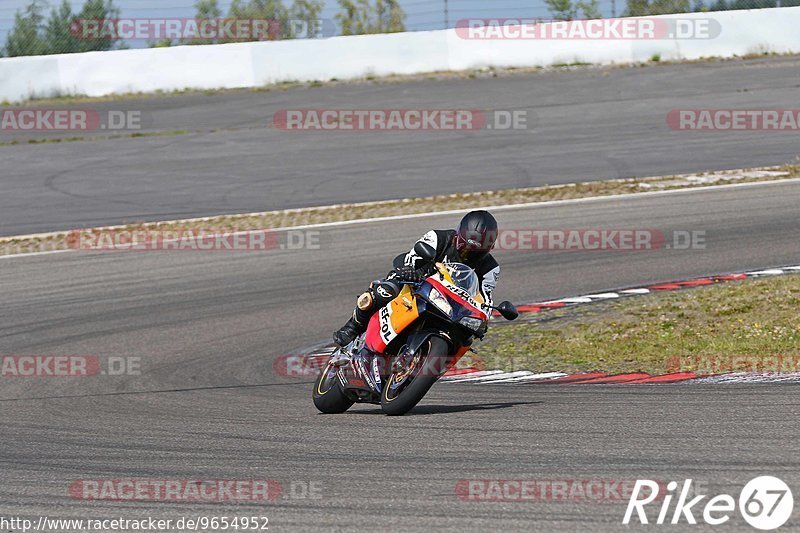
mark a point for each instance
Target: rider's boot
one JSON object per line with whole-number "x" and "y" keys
{"x": 378, "y": 294}
{"x": 356, "y": 325}
{"x": 348, "y": 333}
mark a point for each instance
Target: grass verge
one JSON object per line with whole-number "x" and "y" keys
{"x": 337, "y": 213}
{"x": 52, "y": 140}
{"x": 736, "y": 326}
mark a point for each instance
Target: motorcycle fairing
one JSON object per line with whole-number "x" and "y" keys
{"x": 391, "y": 320}
{"x": 471, "y": 305}
{"x": 363, "y": 372}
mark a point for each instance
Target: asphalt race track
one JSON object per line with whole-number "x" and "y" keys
{"x": 207, "y": 328}
{"x": 584, "y": 124}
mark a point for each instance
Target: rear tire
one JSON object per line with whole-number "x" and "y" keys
{"x": 395, "y": 403}
{"x": 328, "y": 395}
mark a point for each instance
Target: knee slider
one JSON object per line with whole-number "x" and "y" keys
{"x": 364, "y": 301}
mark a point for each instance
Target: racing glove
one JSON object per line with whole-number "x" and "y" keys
{"x": 405, "y": 273}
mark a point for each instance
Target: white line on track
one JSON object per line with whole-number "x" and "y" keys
{"x": 635, "y": 291}
{"x": 576, "y": 300}
{"x": 472, "y": 375}
{"x": 32, "y": 254}
{"x": 486, "y": 377}
{"x": 504, "y": 376}
{"x": 604, "y": 296}
{"x": 530, "y": 376}
{"x": 499, "y": 376}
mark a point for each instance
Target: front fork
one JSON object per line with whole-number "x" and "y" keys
{"x": 403, "y": 362}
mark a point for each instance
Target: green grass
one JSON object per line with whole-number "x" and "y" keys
{"x": 135, "y": 135}
{"x": 572, "y": 64}
{"x": 742, "y": 325}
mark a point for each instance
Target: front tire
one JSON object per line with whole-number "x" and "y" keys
{"x": 398, "y": 397}
{"x": 328, "y": 395}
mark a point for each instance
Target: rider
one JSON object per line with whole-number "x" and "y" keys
{"x": 470, "y": 244}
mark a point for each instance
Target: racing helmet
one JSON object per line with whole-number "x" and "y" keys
{"x": 475, "y": 236}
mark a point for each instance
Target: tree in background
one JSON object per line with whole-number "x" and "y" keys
{"x": 57, "y": 36}
{"x": 273, "y": 10}
{"x": 207, "y": 9}
{"x": 24, "y": 39}
{"x": 301, "y": 20}
{"x": 567, "y": 10}
{"x": 394, "y": 16}
{"x": 640, "y": 8}
{"x": 204, "y": 9}
{"x": 98, "y": 10}
{"x": 307, "y": 12}
{"x": 590, "y": 9}
{"x": 32, "y": 36}
{"x": 358, "y": 17}
{"x": 722, "y": 5}
{"x": 351, "y": 18}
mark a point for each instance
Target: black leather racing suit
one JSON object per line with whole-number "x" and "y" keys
{"x": 382, "y": 291}
{"x": 486, "y": 267}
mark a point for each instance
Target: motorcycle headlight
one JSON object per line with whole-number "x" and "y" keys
{"x": 436, "y": 298}
{"x": 472, "y": 323}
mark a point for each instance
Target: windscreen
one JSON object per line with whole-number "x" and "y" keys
{"x": 464, "y": 277}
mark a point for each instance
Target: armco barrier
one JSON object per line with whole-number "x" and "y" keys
{"x": 256, "y": 64}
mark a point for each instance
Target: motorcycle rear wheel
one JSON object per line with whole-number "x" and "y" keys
{"x": 398, "y": 399}
{"x": 328, "y": 395}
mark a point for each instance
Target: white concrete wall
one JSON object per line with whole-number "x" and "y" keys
{"x": 261, "y": 63}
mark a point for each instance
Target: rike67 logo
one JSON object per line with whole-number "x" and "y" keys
{"x": 765, "y": 503}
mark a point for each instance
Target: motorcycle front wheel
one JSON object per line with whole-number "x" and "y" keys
{"x": 328, "y": 395}
{"x": 404, "y": 390}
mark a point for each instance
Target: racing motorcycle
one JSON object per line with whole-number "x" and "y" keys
{"x": 409, "y": 343}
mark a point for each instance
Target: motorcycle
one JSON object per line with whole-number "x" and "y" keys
{"x": 409, "y": 343}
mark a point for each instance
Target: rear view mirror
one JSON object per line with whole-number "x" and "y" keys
{"x": 425, "y": 251}
{"x": 507, "y": 310}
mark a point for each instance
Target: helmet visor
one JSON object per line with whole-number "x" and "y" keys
{"x": 474, "y": 244}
